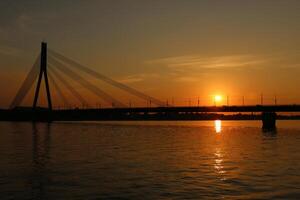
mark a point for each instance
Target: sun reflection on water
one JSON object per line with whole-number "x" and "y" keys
{"x": 218, "y": 165}
{"x": 218, "y": 126}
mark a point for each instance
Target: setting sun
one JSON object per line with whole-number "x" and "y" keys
{"x": 218, "y": 98}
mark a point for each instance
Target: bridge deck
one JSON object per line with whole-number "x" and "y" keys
{"x": 142, "y": 113}
{"x": 252, "y": 108}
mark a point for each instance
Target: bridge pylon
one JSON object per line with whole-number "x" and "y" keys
{"x": 43, "y": 71}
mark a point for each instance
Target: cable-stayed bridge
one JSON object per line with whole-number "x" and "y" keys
{"x": 51, "y": 65}
{"x": 55, "y": 67}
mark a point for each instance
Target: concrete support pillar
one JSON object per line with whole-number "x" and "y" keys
{"x": 268, "y": 120}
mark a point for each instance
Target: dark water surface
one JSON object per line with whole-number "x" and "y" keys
{"x": 149, "y": 160}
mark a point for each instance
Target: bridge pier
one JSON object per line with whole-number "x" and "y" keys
{"x": 268, "y": 121}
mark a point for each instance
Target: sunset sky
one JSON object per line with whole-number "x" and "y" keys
{"x": 169, "y": 49}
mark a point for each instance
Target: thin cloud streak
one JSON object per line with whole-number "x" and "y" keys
{"x": 10, "y": 51}
{"x": 220, "y": 62}
{"x": 192, "y": 68}
{"x": 137, "y": 78}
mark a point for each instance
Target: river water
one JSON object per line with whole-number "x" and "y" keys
{"x": 149, "y": 160}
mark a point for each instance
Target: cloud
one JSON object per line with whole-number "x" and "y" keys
{"x": 9, "y": 51}
{"x": 195, "y": 62}
{"x": 186, "y": 78}
{"x": 189, "y": 68}
{"x": 27, "y": 24}
{"x": 137, "y": 78}
{"x": 24, "y": 21}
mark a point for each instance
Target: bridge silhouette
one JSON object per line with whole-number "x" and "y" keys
{"x": 53, "y": 66}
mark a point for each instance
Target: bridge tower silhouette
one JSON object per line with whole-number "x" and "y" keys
{"x": 54, "y": 66}
{"x": 43, "y": 71}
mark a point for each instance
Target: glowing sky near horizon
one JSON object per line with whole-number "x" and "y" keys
{"x": 170, "y": 49}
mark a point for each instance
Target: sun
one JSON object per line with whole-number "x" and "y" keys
{"x": 218, "y": 98}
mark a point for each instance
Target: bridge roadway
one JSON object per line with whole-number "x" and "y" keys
{"x": 145, "y": 113}
{"x": 206, "y": 109}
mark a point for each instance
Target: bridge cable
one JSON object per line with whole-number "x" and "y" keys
{"x": 107, "y": 79}
{"x": 59, "y": 91}
{"x": 106, "y": 97}
{"x": 27, "y": 84}
{"x": 68, "y": 86}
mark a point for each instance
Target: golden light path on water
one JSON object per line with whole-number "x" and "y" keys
{"x": 218, "y": 164}
{"x": 218, "y": 126}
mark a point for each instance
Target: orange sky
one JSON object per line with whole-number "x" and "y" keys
{"x": 171, "y": 49}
